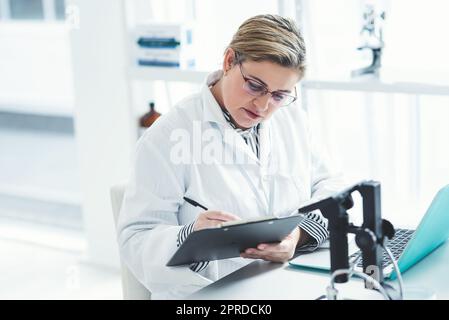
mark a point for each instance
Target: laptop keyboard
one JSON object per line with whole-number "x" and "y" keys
{"x": 396, "y": 246}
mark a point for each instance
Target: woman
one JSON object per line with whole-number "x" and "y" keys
{"x": 242, "y": 148}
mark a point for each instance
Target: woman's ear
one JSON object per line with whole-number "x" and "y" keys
{"x": 228, "y": 60}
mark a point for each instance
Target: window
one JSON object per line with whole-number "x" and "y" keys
{"x": 26, "y": 9}
{"x": 394, "y": 138}
{"x": 35, "y": 10}
{"x": 60, "y": 9}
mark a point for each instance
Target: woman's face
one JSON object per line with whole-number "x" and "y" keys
{"x": 248, "y": 110}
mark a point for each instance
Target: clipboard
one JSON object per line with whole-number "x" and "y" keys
{"x": 228, "y": 241}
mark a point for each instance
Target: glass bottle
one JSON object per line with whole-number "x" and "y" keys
{"x": 146, "y": 120}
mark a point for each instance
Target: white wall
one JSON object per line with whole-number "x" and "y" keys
{"x": 35, "y": 69}
{"x": 103, "y": 120}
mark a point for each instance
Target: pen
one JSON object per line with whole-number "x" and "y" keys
{"x": 194, "y": 203}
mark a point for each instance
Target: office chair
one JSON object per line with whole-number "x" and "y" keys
{"x": 132, "y": 288}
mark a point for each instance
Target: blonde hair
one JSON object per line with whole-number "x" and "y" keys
{"x": 270, "y": 38}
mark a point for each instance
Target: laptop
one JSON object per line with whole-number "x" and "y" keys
{"x": 408, "y": 246}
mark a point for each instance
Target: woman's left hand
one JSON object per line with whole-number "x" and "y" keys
{"x": 277, "y": 252}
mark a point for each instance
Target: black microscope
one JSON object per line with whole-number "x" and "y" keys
{"x": 370, "y": 237}
{"x": 372, "y": 34}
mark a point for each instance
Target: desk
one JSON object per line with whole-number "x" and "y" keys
{"x": 265, "y": 280}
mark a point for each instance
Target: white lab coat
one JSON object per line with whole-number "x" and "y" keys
{"x": 291, "y": 171}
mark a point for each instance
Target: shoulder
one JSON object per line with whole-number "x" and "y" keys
{"x": 291, "y": 119}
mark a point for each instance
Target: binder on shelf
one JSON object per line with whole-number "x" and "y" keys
{"x": 163, "y": 45}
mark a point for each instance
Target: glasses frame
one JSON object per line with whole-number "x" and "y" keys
{"x": 266, "y": 91}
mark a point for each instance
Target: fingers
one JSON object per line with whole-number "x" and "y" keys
{"x": 221, "y": 216}
{"x": 269, "y": 256}
{"x": 210, "y": 219}
{"x": 273, "y": 247}
{"x": 277, "y": 252}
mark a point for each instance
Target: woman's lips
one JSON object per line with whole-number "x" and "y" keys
{"x": 252, "y": 115}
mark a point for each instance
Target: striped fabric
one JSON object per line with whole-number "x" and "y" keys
{"x": 251, "y": 135}
{"x": 182, "y": 236}
{"x": 313, "y": 223}
{"x": 316, "y": 226}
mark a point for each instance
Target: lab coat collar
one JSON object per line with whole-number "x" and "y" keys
{"x": 211, "y": 109}
{"x": 212, "y": 113}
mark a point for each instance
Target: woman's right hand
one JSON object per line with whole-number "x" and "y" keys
{"x": 209, "y": 219}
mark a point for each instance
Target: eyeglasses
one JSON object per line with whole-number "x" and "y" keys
{"x": 258, "y": 89}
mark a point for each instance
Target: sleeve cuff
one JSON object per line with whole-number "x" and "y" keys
{"x": 316, "y": 227}
{"x": 182, "y": 236}
{"x": 184, "y": 233}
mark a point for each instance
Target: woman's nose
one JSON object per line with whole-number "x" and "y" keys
{"x": 262, "y": 103}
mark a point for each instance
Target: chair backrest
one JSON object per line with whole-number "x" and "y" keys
{"x": 132, "y": 288}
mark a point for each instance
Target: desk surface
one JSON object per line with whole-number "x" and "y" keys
{"x": 265, "y": 280}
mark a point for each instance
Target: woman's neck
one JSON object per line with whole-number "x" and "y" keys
{"x": 217, "y": 93}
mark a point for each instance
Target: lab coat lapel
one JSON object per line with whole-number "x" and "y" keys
{"x": 265, "y": 147}
{"x": 212, "y": 113}
{"x": 241, "y": 152}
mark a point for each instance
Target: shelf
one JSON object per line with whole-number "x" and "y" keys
{"x": 60, "y": 108}
{"x": 41, "y": 194}
{"x": 363, "y": 85}
{"x": 375, "y": 85}
{"x": 167, "y": 74}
